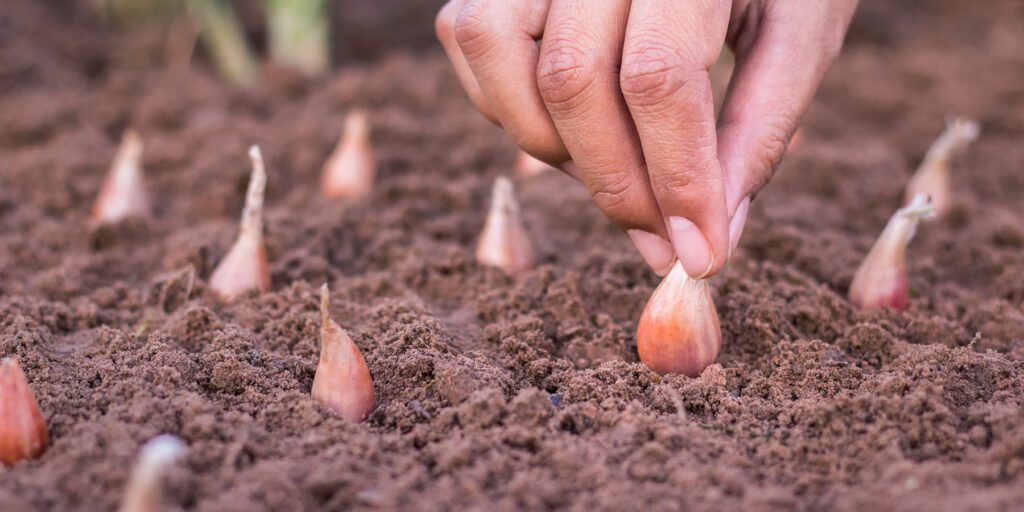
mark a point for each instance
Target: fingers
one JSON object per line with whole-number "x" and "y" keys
{"x": 782, "y": 55}
{"x": 444, "y": 25}
{"x": 578, "y": 80}
{"x": 498, "y": 40}
{"x": 668, "y": 49}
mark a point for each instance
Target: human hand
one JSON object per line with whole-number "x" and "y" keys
{"x": 617, "y": 94}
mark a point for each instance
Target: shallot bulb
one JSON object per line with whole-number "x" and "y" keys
{"x": 881, "y": 280}
{"x": 245, "y": 267}
{"x": 155, "y": 457}
{"x": 342, "y": 382}
{"x": 679, "y": 331}
{"x": 504, "y": 242}
{"x": 352, "y": 168}
{"x": 23, "y": 433}
{"x": 932, "y": 177}
{"x": 123, "y": 194}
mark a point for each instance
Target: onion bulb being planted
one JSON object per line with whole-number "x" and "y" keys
{"x": 23, "y": 433}
{"x": 881, "y": 280}
{"x": 342, "y": 382}
{"x": 932, "y": 177}
{"x": 244, "y": 268}
{"x": 123, "y": 194}
{"x": 352, "y": 168}
{"x": 504, "y": 242}
{"x": 156, "y": 456}
{"x": 679, "y": 330}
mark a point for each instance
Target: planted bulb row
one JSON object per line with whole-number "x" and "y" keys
{"x": 678, "y": 330}
{"x": 342, "y": 383}
{"x": 349, "y": 172}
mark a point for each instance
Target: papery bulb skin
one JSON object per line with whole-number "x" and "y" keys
{"x": 155, "y": 457}
{"x": 679, "y": 330}
{"x": 351, "y": 169}
{"x": 245, "y": 267}
{"x": 881, "y": 281}
{"x": 932, "y": 178}
{"x": 23, "y": 434}
{"x": 527, "y": 165}
{"x": 504, "y": 242}
{"x": 342, "y": 382}
{"x": 123, "y": 194}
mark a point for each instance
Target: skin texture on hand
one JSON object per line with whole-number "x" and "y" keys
{"x": 617, "y": 94}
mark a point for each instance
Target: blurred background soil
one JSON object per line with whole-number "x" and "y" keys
{"x": 498, "y": 393}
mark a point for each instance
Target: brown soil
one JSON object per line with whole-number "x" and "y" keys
{"x": 498, "y": 393}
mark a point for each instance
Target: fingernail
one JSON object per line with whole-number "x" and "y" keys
{"x": 692, "y": 248}
{"x": 656, "y": 251}
{"x": 739, "y": 219}
{"x": 569, "y": 167}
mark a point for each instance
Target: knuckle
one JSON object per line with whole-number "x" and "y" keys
{"x": 771, "y": 148}
{"x": 565, "y": 72}
{"x": 650, "y": 73}
{"x": 777, "y": 131}
{"x": 767, "y": 152}
{"x": 683, "y": 184}
{"x": 474, "y": 26}
{"x": 610, "y": 190}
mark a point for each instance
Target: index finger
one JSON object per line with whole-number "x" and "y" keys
{"x": 668, "y": 49}
{"x": 578, "y": 80}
